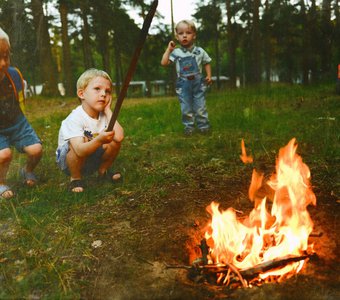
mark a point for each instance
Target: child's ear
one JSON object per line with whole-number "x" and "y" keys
{"x": 80, "y": 94}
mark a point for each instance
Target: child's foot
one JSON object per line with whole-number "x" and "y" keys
{"x": 204, "y": 131}
{"x": 29, "y": 177}
{"x": 113, "y": 177}
{"x": 76, "y": 186}
{"x": 6, "y": 192}
{"x": 188, "y": 132}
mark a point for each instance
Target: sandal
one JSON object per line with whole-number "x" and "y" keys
{"x": 3, "y": 189}
{"x": 74, "y": 184}
{"x": 113, "y": 177}
{"x": 29, "y": 177}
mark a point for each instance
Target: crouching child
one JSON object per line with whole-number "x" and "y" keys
{"x": 84, "y": 145}
{"x": 15, "y": 130}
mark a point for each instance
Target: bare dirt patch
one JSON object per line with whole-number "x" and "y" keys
{"x": 140, "y": 236}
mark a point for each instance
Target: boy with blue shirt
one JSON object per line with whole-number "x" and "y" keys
{"x": 14, "y": 127}
{"x": 190, "y": 85}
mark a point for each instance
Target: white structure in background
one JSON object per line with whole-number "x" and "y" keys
{"x": 38, "y": 89}
{"x": 61, "y": 89}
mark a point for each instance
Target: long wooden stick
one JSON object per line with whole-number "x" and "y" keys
{"x": 133, "y": 64}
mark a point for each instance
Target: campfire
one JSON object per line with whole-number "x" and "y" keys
{"x": 271, "y": 243}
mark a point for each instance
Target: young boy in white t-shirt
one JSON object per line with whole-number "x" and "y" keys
{"x": 84, "y": 145}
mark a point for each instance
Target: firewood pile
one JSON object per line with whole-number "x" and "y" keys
{"x": 229, "y": 275}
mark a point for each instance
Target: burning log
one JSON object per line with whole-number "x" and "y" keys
{"x": 316, "y": 234}
{"x": 273, "y": 264}
{"x": 248, "y": 273}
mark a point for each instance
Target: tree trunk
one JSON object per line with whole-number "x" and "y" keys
{"x": 117, "y": 68}
{"x": 47, "y": 65}
{"x": 313, "y": 64}
{"x": 267, "y": 49}
{"x": 102, "y": 26}
{"x": 217, "y": 52}
{"x": 305, "y": 53}
{"x": 231, "y": 36}
{"x": 217, "y": 55}
{"x": 17, "y": 35}
{"x": 337, "y": 31}
{"x": 67, "y": 69}
{"x": 256, "y": 43}
{"x": 88, "y": 59}
{"x": 327, "y": 32}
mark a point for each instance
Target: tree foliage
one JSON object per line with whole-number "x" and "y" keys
{"x": 56, "y": 40}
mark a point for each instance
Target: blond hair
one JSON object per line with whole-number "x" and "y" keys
{"x": 189, "y": 23}
{"x": 4, "y": 36}
{"x": 88, "y": 75}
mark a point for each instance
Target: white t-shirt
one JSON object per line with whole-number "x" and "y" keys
{"x": 79, "y": 124}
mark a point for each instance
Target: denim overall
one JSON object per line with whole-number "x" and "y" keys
{"x": 190, "y": 88}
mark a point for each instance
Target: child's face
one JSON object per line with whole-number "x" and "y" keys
{"x": 96, "y": 96}
{"x": 4, "y": 57}
{"x": 185, "y": 35}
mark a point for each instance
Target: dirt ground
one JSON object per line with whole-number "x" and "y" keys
{"x": 143, "y": 235}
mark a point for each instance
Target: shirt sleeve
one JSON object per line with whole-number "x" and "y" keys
{"x": 173, "y": 56}
{"x": 206, "y": 58}
{"x": 72, "y": 127}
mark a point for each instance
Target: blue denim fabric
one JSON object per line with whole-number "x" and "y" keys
{"x": 191, "y": 88}
{"x": 90, "y": 166}
{"x": 20, "y": 135}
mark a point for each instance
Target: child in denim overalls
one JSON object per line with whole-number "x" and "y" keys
{"x": 190, "y": 85}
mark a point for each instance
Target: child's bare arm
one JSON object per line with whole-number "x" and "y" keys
{"x": 165, "y": 59}
{"x": 207, "y": 68}
{"x": 119, "y": 132}
{"x": 85, "y": 148}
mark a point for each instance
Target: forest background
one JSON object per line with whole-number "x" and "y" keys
{"x": 251, "y": 40}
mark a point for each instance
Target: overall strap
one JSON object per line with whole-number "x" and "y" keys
{"x": 13, "y": 85}
{"x": 22, "y": 83}
{"x": 17, "y": 81}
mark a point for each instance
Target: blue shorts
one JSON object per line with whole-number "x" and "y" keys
{"x": 20, "y": 135}
{"x": 90, "y": 166}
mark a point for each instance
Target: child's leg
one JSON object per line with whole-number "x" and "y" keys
{"x": 184, "y": 92}
{"x": 199, "y": 105}
{"x": 5, "y": 160}
{"x": 34, "y": 154}
{"x": 74, "y": 163}
{"x": 74, "y": 167}
{"x": 110, "y": 153}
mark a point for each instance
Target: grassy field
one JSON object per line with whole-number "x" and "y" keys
{"x": 46, "y": 233}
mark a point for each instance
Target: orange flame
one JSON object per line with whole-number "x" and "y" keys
{"x": 246, "y": 159}
{"x": 264, "y": 235}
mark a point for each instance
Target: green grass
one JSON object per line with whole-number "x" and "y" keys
{"x": 45, "y": 242}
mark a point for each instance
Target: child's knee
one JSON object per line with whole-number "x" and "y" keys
{"x": 34, "y": 150}
{"x": 112, "y": 148}
{"x": 118, "y": 139}
{"x": 5, "y": 155}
